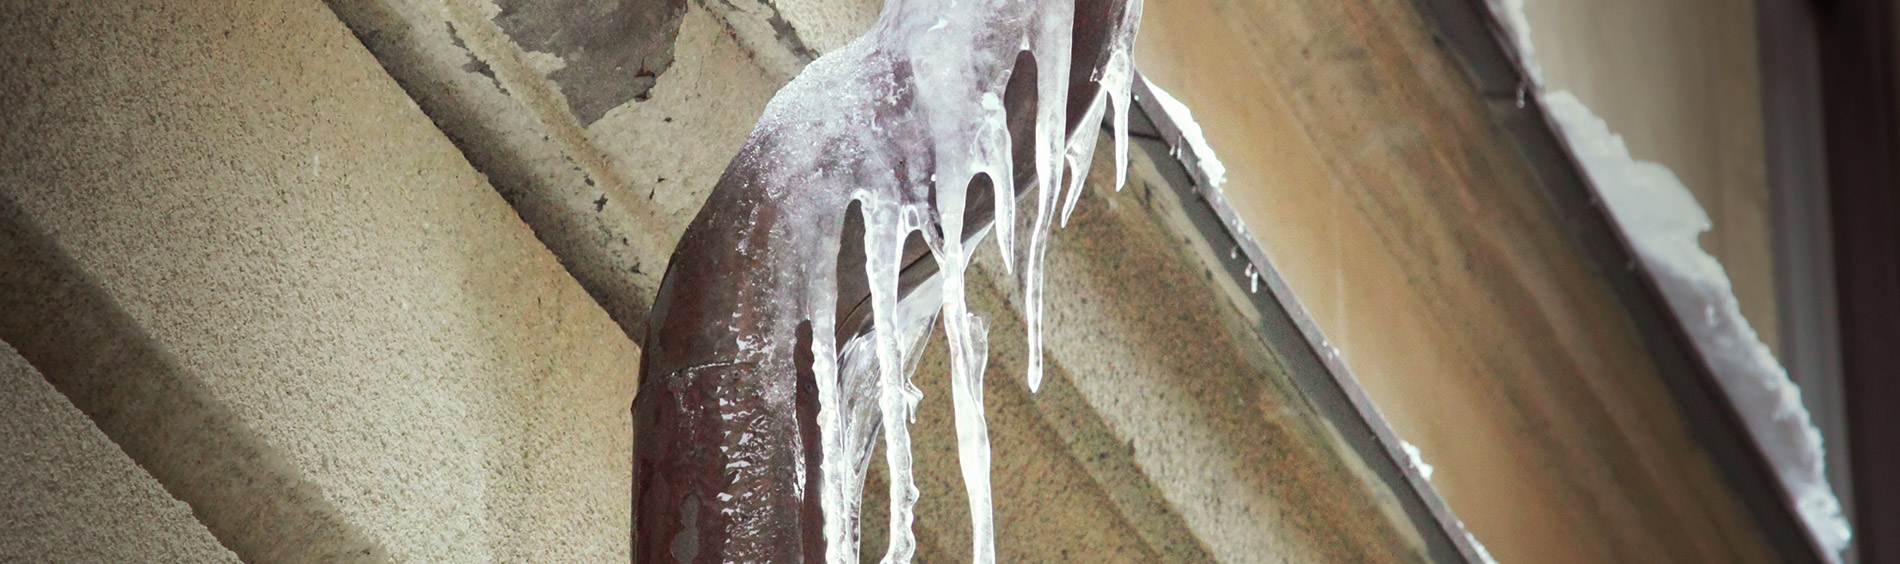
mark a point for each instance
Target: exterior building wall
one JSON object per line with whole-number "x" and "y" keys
{"x": 238, "y": 246}
{"x": 70, "y": 495}
{"x": 361, "y": 293}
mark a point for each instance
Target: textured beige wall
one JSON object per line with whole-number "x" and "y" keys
{"x": 247, "y": 254}
{"x": 1680, "y": 80}
{"x": 68, "y": 495}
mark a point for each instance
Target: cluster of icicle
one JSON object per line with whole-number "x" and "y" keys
{"x": 915, "y": 103}
{"x": 1663, "y": 221}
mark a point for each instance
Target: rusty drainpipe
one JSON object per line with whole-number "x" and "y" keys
{"x": 692, "y": 390}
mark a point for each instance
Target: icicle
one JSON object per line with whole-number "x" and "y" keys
{"x": 1032, "y": 287}
{"x": 1051, "y": 92}
{"x": 968, "y": 354}
{"x": 822, "y": 298}
{"x": 966, "y": 333}
{"x": 1003, "y": 186}
{"x": 1117, "y": 80}
{"x": 883, "y": 251}
{"x": 1079, "y": 155}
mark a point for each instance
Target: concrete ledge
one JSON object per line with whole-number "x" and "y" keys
{"x": 1147, "y": 345}
{"x": 70, "y": 495}
{"x": 238, "y": 246}
{"x": 611, "y": 194}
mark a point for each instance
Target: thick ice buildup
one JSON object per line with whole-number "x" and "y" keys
{"x": 900, "y": 121}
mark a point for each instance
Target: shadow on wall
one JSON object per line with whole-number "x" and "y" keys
{"x": 243, "y": 490}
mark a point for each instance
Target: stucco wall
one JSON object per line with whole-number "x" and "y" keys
{"x": 68, "y": 495}
{"x": 239, "y": 247}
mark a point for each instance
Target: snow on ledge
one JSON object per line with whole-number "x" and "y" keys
{"x": 1417, "y": 458}
{"x": 1517, "y": 28}
{"x": 1183, "y": 118}
{"x": 1662, "y": 221}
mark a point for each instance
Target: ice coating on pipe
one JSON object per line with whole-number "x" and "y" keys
{"x": 899, "y": 122}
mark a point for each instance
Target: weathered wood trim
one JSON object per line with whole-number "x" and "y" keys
{"x": 1478, "y": 42}
{"x": 1314, "y": 365}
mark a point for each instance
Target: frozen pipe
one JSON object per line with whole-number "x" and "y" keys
{"x": 746, "y": 399}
